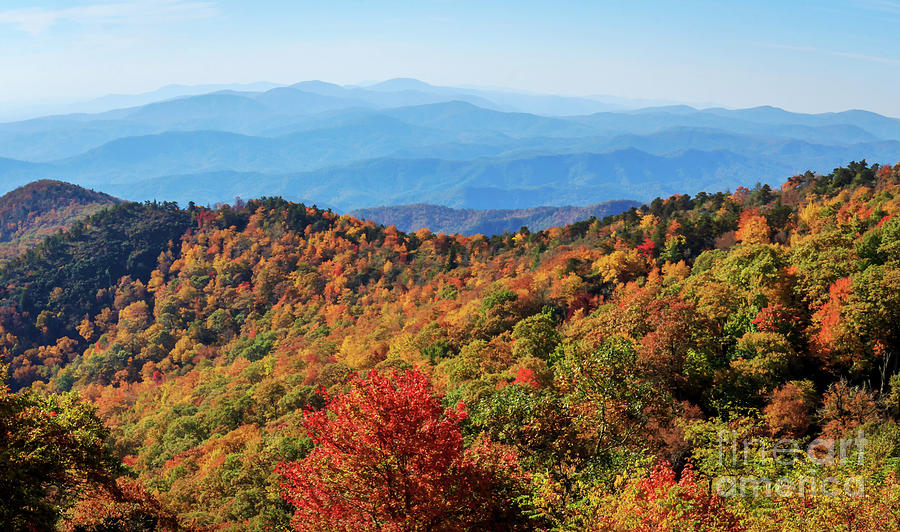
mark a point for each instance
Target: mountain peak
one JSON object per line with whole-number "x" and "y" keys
{"x": 315, "y": 84}
{"x": 401, "y": 84}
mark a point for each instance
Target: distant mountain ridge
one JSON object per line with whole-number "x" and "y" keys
{"x": 439, "y": 219}
{"x": 482, "y": 183}
{"x": 404, "y": 141}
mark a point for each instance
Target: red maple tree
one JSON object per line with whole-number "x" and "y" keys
{"x": 388, "y": 456}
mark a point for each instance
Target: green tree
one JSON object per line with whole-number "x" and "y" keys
{"x": 52, "y": 448}
{"x": 535, "y": 336}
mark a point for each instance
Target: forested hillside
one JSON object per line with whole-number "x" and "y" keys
{"x": 441, "y": 219}
{"x": 29, "y": 214}
{"x": 269, "y": 360}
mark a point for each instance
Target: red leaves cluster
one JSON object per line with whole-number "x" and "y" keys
{"x": 660, "y": 502}
{"x": 526, "y": 376}
{"x": 204, "y": 217}
{"x": 646, "y": 248}
{"x": 776, "y": 318}
{"x": 388, "y": 456}
{"x": 829, "y": 316}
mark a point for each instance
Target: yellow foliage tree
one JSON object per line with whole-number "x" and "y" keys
{"x": 753, "y": 228}
{"x": 620, "y": 265}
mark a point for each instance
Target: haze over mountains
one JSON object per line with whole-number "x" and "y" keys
{"x": 406, "y": 142}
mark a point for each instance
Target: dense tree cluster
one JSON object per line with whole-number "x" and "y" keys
{"x": 56, "y": 464}
{"x": 270, "y": 364}
{"x": 50, "y": 289}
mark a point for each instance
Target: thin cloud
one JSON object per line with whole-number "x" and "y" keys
{"x": 812, "y": 49}
{"x": 886, "y": 6}
{"x": 37, "y": 21}
{"x": 872, "y": 58}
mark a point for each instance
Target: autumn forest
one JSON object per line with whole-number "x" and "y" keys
{"x": 268, "y": 365}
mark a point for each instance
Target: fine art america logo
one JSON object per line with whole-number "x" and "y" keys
{"x": 821, "y": 452}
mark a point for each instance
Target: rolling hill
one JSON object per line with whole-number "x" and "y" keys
{"x": 29, "y": 214}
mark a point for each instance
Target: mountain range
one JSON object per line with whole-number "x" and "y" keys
{"x": 404, "y": 142}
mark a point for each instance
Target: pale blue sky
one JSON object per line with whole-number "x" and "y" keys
{"x": 811, "y": 56}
